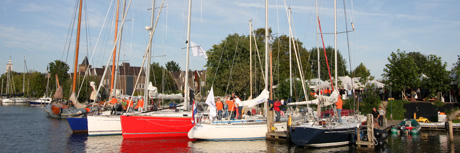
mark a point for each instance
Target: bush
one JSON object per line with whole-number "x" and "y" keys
{"x": 396, "y": 107}
{"x": 370, "y": 100}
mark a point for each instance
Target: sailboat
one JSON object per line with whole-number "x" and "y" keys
{"x": 16, "y": 100}
{"x": 164, "y": 123}
{"x": 325, "y": 132}
{"x": 241, "y": 129}
{"x": 61, "y": 108}
{"x": 45, "y": 100}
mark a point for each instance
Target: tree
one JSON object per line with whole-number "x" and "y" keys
{"x": 61, "y": 69}
{"x": 341, "y": 63}
{"x": 401, "y": 71}
{"x": 228, "y": 65}
{"x": 419, "y": 60}
{"x": 362, "y": 72}
{"x": 456, "y": 72}
{"x": 437, "y": 77}
{"x": 38, "y": 84}
{"x": 156, "y": 77}
{"x": 172, "y": 66}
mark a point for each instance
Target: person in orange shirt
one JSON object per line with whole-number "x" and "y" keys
{"x": 219, "y": 106}
{"x": 231, "y": 108}
{"x": 113, "y": 100}
{"x": 140, "y": 104}
{"x": 129, "y": 103}
{"x": 339, "y": 108}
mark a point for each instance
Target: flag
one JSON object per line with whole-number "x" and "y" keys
{"x": 195, "y": 111}
{"x": 197, "y": 50}
{"x": 212, "y": 104}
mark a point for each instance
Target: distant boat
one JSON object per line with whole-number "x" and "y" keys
{"x": 41, "y": 101}
{"x": 61, "y": 108}
{"x": 15, "y": 100}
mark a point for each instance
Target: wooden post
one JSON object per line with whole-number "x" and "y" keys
{"x": 451, "y": 131}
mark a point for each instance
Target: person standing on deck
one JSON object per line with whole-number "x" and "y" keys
{"x": 381, "y": 115}
{"x": 140, "y": 105}
{"x": 239, "y": 104}
{"x": 339, "y": 108}
{"x": 376, "y": 116}
{"x": 129, "y": 103}
{"x": 276, "y": 107}
{"x": 231, "y": 108}
{"x": 220, "y": 107}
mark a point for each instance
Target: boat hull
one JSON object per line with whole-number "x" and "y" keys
{"x": 16, "y": 100}
{"x": 78, "y": 125}
{"x": 321, "y": 137}
{"x": 104, "y": 125}
{"x": 63, "y": 113}
{"x": 172, "y": 126}
{"x": 244, "y": 131}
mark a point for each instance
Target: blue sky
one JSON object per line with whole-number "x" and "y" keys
{"x": 38, "y": 30}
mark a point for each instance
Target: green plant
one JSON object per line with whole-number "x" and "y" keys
{"x": 396, "y": 107}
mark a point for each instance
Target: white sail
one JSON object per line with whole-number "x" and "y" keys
{"x": 258, "y": 100}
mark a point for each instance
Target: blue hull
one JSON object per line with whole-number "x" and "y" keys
{"x": 78, "y": 125}
{"x": 316, "y": 137}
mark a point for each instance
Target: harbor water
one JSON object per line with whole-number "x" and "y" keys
{"x": 28, "y": 129}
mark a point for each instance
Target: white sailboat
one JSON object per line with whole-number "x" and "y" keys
{"x": 16, "y": 100}
{"x": 242, "y": 129}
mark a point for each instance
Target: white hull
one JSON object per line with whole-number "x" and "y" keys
{"x": 41, "y": 101}
{"x": 104, "y": 125}
{"x": 243, "y": 131}
{"x": 16, "y": 100}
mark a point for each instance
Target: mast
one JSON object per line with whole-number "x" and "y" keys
{"x": 317, "y": 44}
{"x": 47, "y": 82}
{"x": 335, "y": 43}
{"x": 290, "y": 56}
{"x": 149, "y": 55}
{"x": 186, "y": 98}
{"x": 77, "y": 47}
{"x": 24, "y": 77}
{"x": 114, "y": 50}
{"x": 250, "y": 59}
{"x": 266, "y": 64}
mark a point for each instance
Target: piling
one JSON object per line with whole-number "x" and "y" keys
{"x": 369, "y": 144}
{"x": 451, "y": 131}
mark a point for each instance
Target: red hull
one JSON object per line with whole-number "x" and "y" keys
{"x": 155, "y": 126}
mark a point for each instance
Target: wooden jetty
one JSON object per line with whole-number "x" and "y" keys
{"x": 436, "y": 126}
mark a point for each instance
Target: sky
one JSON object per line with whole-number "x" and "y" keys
{"x": 42, "y": 31}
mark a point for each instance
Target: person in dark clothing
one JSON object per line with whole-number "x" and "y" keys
{"x": 376, "y": 116}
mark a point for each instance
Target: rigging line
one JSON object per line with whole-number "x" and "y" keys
{"x": 218, "y": 65}
{"x": 95, "y": 46}
{"x": 258, "y": 55}
{"x": 233, "y": 64}
{"x": 70, "y": 31}
{"x": 328, "y": 69}
{"x": 118, "y": 36}
{"x": 349, "y": 51}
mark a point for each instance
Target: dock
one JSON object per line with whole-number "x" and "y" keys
{"x": 437, "y": 126}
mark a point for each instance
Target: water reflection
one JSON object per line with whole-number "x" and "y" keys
{"x": 104, "y": 143}
{"x": 155, "y": 145}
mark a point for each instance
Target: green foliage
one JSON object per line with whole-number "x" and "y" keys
{"x": 456, "y": 72}
{"x": 156, "y": 77}
{"x": 419, "y": 60}
{"x": 438, "y": 103}
{"x": 371, "y": 99}
{"x": 172, "y": 66}
{"x": 37, "y": 84}
{"x": 341, "y": 63}
{"x": 362, "y": 72}
{"x": 282, "y": 92}
{"x": 402, "y": 71}
{"x": 396, "y": 107}
{"x": 437, "y": 77}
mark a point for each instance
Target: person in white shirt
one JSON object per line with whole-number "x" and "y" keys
{"x": 240, "y": 106}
